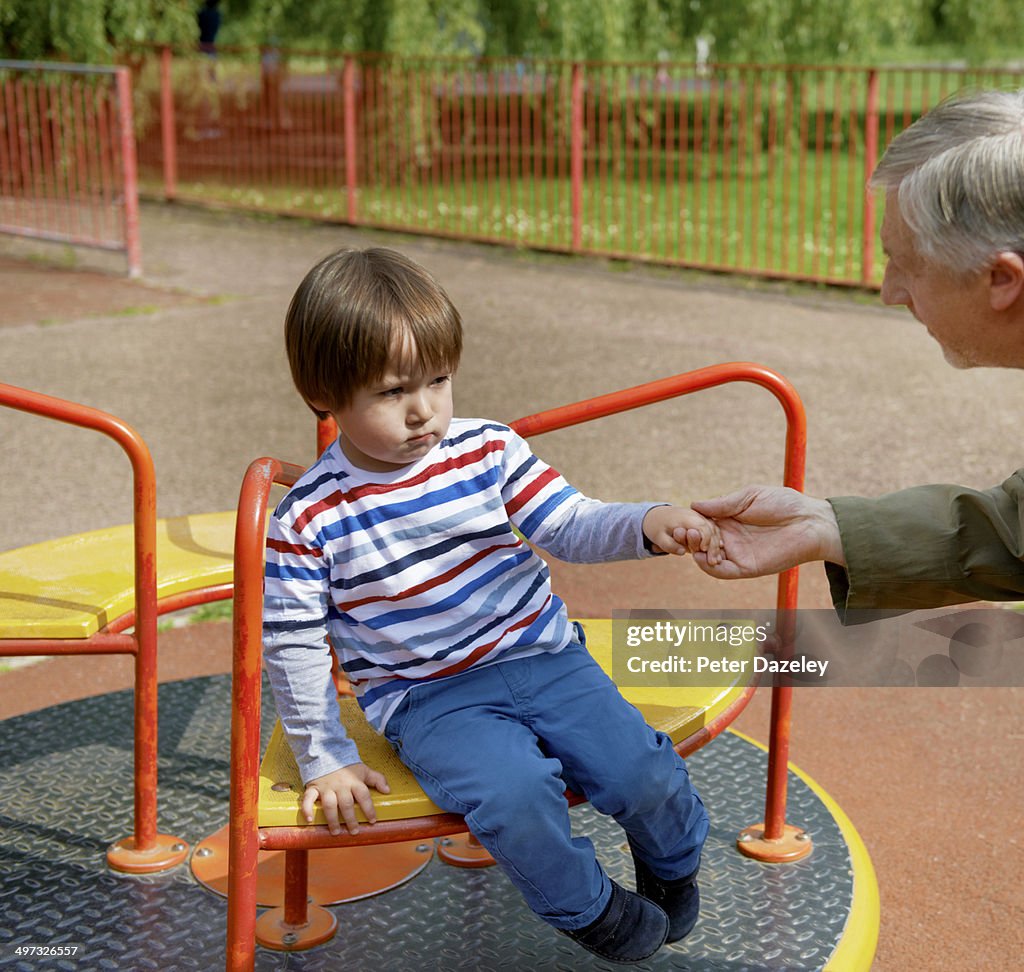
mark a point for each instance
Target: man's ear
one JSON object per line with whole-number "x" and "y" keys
{"x": 1006, "y": 280}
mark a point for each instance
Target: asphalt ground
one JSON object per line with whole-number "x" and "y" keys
{"x": 192, "y": 357}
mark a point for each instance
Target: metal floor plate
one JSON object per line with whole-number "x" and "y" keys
{"x": 65, "y": 794}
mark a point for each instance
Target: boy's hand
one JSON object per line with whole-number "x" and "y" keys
{"x": 339, "y": 793}
{"x": 674, "y": 530}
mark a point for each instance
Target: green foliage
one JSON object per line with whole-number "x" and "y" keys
{"x": 396, "y": 26}
{"x": 980, "y": 29}
{"x": 753, "y": 30}
{"x": 92, "y": 31}
{"x": 777, "y": 31}
{"x": 798, "y": 31}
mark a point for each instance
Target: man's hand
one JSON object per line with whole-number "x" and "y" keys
{"x": 674, "y": 530}
{"x": 340, "y": 792}
{"x": 768, "y": 529}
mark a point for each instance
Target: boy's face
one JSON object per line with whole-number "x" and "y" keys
{"x": 398, "y": 420}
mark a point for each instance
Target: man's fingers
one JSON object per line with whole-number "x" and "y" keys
{"x": 723, "y": 570}
{"x": 720, "y": 507}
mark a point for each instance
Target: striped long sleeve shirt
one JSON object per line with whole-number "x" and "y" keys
{"x": 421, "y": 573}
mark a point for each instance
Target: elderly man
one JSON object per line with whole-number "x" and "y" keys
{"x": 954, "y": 237}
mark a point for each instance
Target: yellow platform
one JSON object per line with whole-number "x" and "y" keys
{"x": 74, "y": 586}
{"x": 677, "y": 711}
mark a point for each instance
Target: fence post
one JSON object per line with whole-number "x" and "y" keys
{"x": 348, "y": 87}
{"x": 576, "y": 155}
{"x": 130, "y": 172}
{"x": 867, "y": 269}
{"x": 167, "y": 126}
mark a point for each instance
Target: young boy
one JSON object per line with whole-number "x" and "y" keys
{"x": 400, "y": 545}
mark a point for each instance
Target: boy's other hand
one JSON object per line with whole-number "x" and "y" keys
{"x": 674, "y": 530}
{"x": 340, "y": 792}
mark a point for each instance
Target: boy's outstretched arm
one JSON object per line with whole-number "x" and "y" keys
{"x": 675, "y": 530}
{"x": 340, "y": 792}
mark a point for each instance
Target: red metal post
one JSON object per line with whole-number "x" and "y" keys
{"x": 326, "y": 433}
{"x": 168, "y": 136}
{"x": 144, "y": 520}
{"x": 243, "y": 842}
{"x": 576, "y": 155}
{"x": 867, "y": 267}
{"x": 296, "y": 883}
{"x": 348, "y": 84}
{"x": 129, "y": 175}
{"x": 243, "y": 837}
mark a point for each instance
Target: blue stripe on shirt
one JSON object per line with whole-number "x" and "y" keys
{"x": 373, "y": 516}
{"x": 455, "y": 598}
{"x": 418, "y": 556}
{"x": 530, "y": 524}
{"x": 289, "y": 572}
{"x": 495, "y": 621}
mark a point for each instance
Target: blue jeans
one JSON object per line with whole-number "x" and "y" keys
{"x": 500, "y": 744}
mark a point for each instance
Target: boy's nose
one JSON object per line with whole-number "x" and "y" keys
{"x": 419, "y": 408}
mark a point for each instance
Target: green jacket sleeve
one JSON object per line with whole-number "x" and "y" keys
{"x": 930, "y": 546}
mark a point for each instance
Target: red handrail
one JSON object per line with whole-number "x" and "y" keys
{"x": 143, "y": 643}
{"x": 793, "y": 476}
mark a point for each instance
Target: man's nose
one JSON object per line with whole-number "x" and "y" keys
{"x": 893, "y": 292}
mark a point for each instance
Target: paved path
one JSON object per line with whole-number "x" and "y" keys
{"x": 193, "y": 358}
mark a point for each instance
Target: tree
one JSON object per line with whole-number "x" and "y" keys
{"x": 92, "y": 31}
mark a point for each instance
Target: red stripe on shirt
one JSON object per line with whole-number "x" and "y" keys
{"x": 520, "y": 500}
{"x": 293, "y": 548}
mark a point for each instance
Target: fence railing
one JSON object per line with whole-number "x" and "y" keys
{"x": 756, "y": 169}
{"x": 67, "y": 156}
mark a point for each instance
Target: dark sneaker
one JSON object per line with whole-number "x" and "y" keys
{"x": 629, "y": 930}
{"x": 679, "y": 899}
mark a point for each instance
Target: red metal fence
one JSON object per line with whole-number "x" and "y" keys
{"x": 67, "y": 156}
{"x": 757, "y": 169}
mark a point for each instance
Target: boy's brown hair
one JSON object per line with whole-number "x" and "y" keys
{"x": 351, "y": 312}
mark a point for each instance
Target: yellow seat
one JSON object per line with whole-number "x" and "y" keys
{"x": 73, "y": 587}
{"x": 677, "y": 711}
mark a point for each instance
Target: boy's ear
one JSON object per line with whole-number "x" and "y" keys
{"x": 318, "y": 412}
{"x": 1006, "y": 280}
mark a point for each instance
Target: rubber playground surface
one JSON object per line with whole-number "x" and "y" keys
{"x": 192, "y": 357}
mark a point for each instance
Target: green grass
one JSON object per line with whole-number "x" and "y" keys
{"x": 801, "y": 220}
{"x": 214, "y": 611}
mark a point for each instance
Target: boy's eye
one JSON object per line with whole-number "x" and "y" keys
{"x": 393, "y": 392}
{"x": 441, "y": 379}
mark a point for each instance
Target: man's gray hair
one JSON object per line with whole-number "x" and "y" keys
{"x": 959, "y": 175}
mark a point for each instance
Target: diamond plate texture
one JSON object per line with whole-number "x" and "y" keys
{"x": 65, "y": 795}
